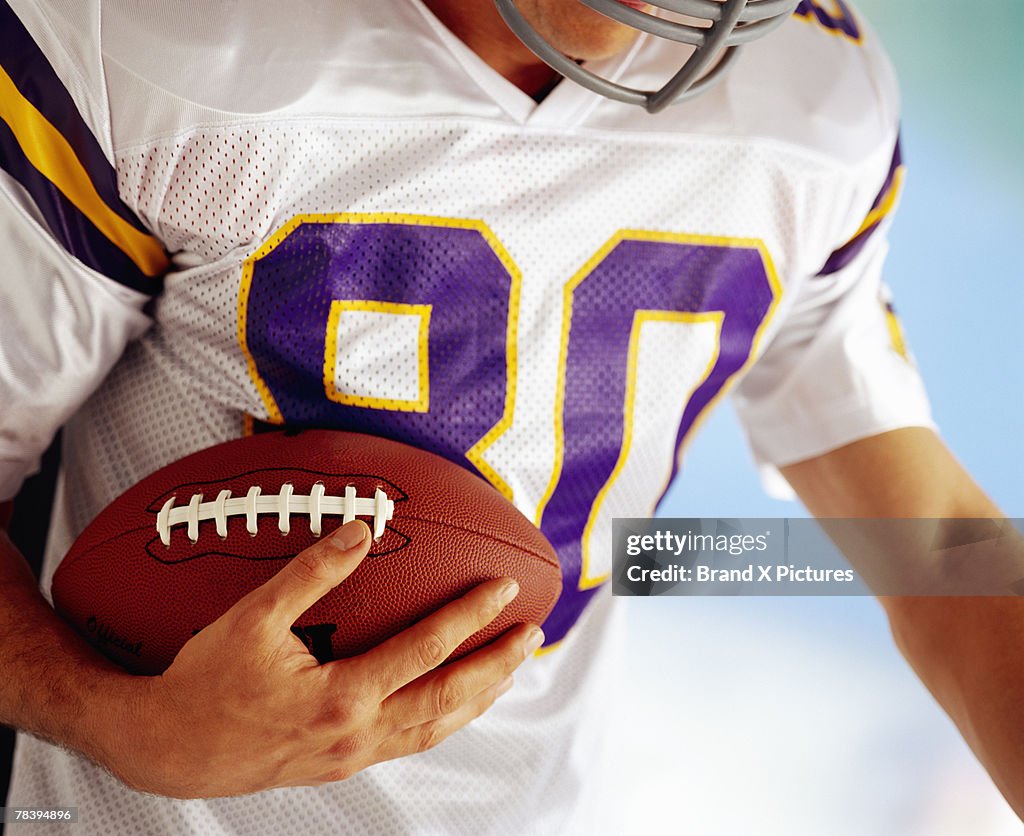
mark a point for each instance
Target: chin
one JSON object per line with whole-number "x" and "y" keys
{"x": 594, "y": 49}
{"x": 595, "y": 45}
{"x": 577, "y": 30}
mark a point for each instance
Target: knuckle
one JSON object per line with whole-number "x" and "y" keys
{"x": 448, "y": 697}
{"x": 488, "y": 610}
{"x": 336, "y": 715}
{"x": 346, "y": 748}
{"x": 346, "y": 711}
{"x": 511, "y": 660}
{"x": 356, "y": 709}
{"x": 339, "y": 773}
{"x": 429, "y": 736}
{"x": 253, "y": 617}
{"x": 311, "y": 566}
{"x": 431, "y": 649}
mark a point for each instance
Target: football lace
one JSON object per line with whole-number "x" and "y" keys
{"x": 286, "y": 502}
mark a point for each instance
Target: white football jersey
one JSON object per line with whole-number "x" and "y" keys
{"x": 336, "y": 214}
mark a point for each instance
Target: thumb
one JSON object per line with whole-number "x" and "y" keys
{"x": 311, "y": 574}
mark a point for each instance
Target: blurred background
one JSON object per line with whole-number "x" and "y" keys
{"x": 798, "y": 716}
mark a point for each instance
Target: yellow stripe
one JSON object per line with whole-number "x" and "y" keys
{"x": 755, "y": 352}
{"x": 896, "y": 337}
{"x": 245, "y": 285}
{"x": 629, "y": 407}
{"x": 476, "y": 453}
{"x": 422, "y": 313}
{"x": 568, "y": 293}
{"x": 883, "y": 208}
{"x": 55, "y": 159}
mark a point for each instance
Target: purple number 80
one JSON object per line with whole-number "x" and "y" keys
{"x": 330, "y": 296}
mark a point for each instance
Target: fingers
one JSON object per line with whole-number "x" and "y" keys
{"x": 310, "y": 575}
{"x": 440, "y": 703}
{"x": 425, "y": 645}
{"x": 428, "y": 735}
{"x": 445, "y": 691}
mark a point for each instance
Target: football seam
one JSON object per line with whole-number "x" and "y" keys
{"x": 489, "y": 536}
{"x": 65, "y": 563}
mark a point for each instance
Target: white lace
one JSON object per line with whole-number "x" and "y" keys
{"x": 284, "y": 504}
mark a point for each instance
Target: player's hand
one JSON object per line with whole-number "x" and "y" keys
{"x": 245, "y": 707}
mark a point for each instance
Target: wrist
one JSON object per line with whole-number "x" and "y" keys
{"x": 57, "y": 687}
{"x": 111, "y": 730}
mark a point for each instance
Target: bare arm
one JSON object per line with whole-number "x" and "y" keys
{"x": 968, "y": 651}
{"x": 194, "y": 732}
{"x": 55, "y": 686}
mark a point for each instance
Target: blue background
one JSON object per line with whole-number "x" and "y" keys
{"x": 798, "y": 716}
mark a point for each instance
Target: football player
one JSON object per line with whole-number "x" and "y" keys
{"x": 221, "y": 217}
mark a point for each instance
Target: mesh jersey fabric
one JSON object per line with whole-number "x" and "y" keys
{"x": 589, "y": 280}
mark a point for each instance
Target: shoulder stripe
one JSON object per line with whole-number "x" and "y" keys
{"x": 882, "y": 206}
{"x": 39, "y": 84}
{"x": 839, "y": 20}
{"x": 76, "y": 233}
{"x": 47, "y": 146}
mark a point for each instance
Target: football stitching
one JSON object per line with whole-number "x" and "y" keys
{"x": 284, "y": 503}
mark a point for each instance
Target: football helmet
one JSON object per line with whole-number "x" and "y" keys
{"x": 720, "y": 28}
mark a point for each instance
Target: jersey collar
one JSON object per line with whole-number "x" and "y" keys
{"x": 565, "y": 106}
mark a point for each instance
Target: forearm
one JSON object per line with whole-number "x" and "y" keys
{"x": 54, "y": 685}
{"x": 968, "y": 652}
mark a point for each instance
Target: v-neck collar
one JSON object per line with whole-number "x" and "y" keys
{"x": 567, "y": 105}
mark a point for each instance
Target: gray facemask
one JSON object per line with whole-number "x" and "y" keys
{"x": 732, "y": 24}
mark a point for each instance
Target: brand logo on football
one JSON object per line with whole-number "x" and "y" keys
{"x": 103, "y": 634}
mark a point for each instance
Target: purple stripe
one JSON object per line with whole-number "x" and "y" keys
{"x": 68, "y": 225}
{"x": 851, "y": 249}
{"x": 845, "y": 23}
{"x": 37, "y": 81}
{"x": 897, "y": 161}
{"x": 847, "y": 253}
{"x": 656, "y": 275}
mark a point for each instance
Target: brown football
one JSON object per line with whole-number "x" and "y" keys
{"x": 174, "y": 552}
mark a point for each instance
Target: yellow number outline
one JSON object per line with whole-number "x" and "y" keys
{"x": 586, "y": 582}
{"x": 476, "y": 453}
{"x": 422, "y": 312}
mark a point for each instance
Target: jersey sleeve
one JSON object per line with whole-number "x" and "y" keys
{"x": 838, "y": 368}
{"x": 77, "y": 267}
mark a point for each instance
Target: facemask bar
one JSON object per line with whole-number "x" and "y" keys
{"x": 733, "y": 23}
